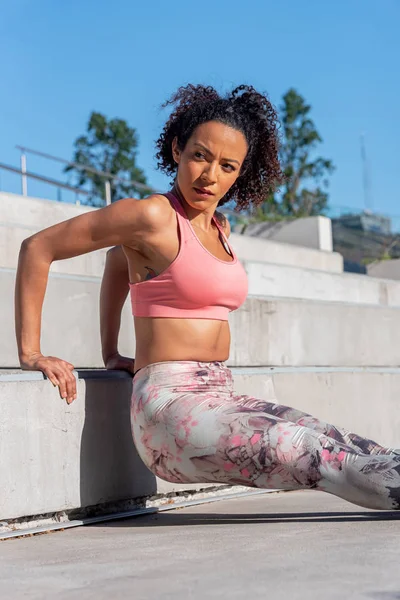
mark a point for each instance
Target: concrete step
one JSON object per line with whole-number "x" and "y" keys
{"x": 390, "y": 269}
{"x": 265, "y": 331}
{"x": 36, "y": 213}
{"x": 11, "y": 238}
{"x": 254, "y": 249}
{"x": 247, "y": 248}
{"x": 57, "y": 457}
{"x": 266, "y": 279}
{"x": 70, "y": 320}
{"x": 312, "y": 232}
{"x": 293, "y": 332}
{"x": 20, "y": 217}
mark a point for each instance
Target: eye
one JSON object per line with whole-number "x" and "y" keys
{"x": 199, "y": 155}
{"x": 230, "y": 167}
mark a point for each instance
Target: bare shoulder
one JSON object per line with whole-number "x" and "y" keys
{"x": 158, "y": 209}
{"x": 147, "y": 214}
{"x": 126, "y": 222}
{"x": 223, "y": 221}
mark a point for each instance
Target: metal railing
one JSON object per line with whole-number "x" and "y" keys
{"x": 108, "y": 177}
{"x": 26, "y": 174}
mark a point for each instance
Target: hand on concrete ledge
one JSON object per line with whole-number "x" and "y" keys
{"x": 116, "y": 362}
{"x": 58, "y": 371}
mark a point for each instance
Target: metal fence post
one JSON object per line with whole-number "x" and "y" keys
{"x": 24, "y": 179}
{"x": 108, "y": 192}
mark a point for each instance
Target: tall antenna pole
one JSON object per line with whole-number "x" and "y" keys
{"x": 368, "y": 204}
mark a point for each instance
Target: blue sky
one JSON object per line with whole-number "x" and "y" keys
{"x": 60, "y": 61}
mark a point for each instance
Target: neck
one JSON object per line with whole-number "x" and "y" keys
{"x": 199, "y": 218}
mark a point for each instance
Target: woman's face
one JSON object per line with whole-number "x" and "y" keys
{"x": 210, "y": 163}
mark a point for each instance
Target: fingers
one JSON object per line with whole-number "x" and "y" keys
{"x": 127, "y": 365}
{"x": 53, "y": 380}
{"x": 62, "y": 376}
{"x": 67, "y": 385}
{"x": 121, "y": 363}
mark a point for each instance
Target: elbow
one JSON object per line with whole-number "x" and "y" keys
{"x": 33, "y": 246}
{"x": 27, "y": 244}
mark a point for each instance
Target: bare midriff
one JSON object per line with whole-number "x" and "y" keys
{"x": 160, "y": 339}
{"x": 165, "y": 339}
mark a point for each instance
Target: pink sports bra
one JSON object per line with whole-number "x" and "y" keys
{"x": 196, "y": 285}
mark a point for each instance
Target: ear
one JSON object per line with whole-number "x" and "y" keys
{"x": 176, "y": 153}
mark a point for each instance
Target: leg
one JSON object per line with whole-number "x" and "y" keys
{"x": 264, "y": 451}
{"x": 360, "y": 444}
{"x": 189, "y": 426}
{"x": 206, "y": 438}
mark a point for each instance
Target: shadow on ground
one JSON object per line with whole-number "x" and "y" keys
{"x": 179, "y": 518}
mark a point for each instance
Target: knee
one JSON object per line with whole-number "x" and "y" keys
{"x": 299, "y": 452}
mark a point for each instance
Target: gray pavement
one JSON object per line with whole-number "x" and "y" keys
{"x": 276, "y": 546}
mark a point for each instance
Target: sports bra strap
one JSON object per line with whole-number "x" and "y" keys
{"x": 185, "y": 231}
{"x": 223, "y": 238}
{"x": 187, "y": 227}
{"x": 177, "y": 205}
{"x": 220, "y": 228}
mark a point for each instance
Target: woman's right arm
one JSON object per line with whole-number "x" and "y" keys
{"x": 122, "y": 223}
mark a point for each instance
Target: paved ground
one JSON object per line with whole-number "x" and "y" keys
{"x": 274, "y": 546}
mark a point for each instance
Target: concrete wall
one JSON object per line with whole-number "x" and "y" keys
{"x": 388, "y": 269}
{"x": 56, "y": 457}
{"x": 285, "y": 281}
{"x": 71, "y": 304}
{"x": 20, "y": 217}
{"x": 283, "y": 332}
{"x": 265, "y": 331}
{"x": 11, "y": 238}
{"x": 311, "y": 232}
{"x": 36, "y": 212}
{"x": 271, "y": 251}
{"x": 247, "y": 249}
{"x": 70, "y": 321}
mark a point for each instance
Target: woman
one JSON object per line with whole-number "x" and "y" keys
{"x": 184, "y": 278}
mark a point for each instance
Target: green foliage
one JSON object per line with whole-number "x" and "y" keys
{"x": 269, "y": 210}
{"x": 385, "y": 255}
{"x": 109, "y": 146}
{"x": 304, "y": 192}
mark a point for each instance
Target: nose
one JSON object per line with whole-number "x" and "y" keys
{"x": 210, "y": 173}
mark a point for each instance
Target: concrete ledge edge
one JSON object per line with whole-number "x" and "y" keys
{"x": 13, "y": 375}
{"x": 122, "y": 510}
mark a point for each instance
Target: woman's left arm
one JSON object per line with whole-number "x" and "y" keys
{"x": 113, "y": 293}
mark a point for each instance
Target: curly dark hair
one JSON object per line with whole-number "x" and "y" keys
{"x": 245, "y": 110}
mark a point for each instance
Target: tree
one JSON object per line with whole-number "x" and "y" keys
{"x": 299, "y": 142}
{"x": 109, "y": 146}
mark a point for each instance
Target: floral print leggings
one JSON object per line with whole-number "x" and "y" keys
{"x": 189, "y": 426}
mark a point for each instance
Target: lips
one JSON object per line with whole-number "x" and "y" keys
{"x": 203, "y": 191}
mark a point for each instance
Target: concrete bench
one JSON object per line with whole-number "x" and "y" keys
{"x": 56, "y": 457}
